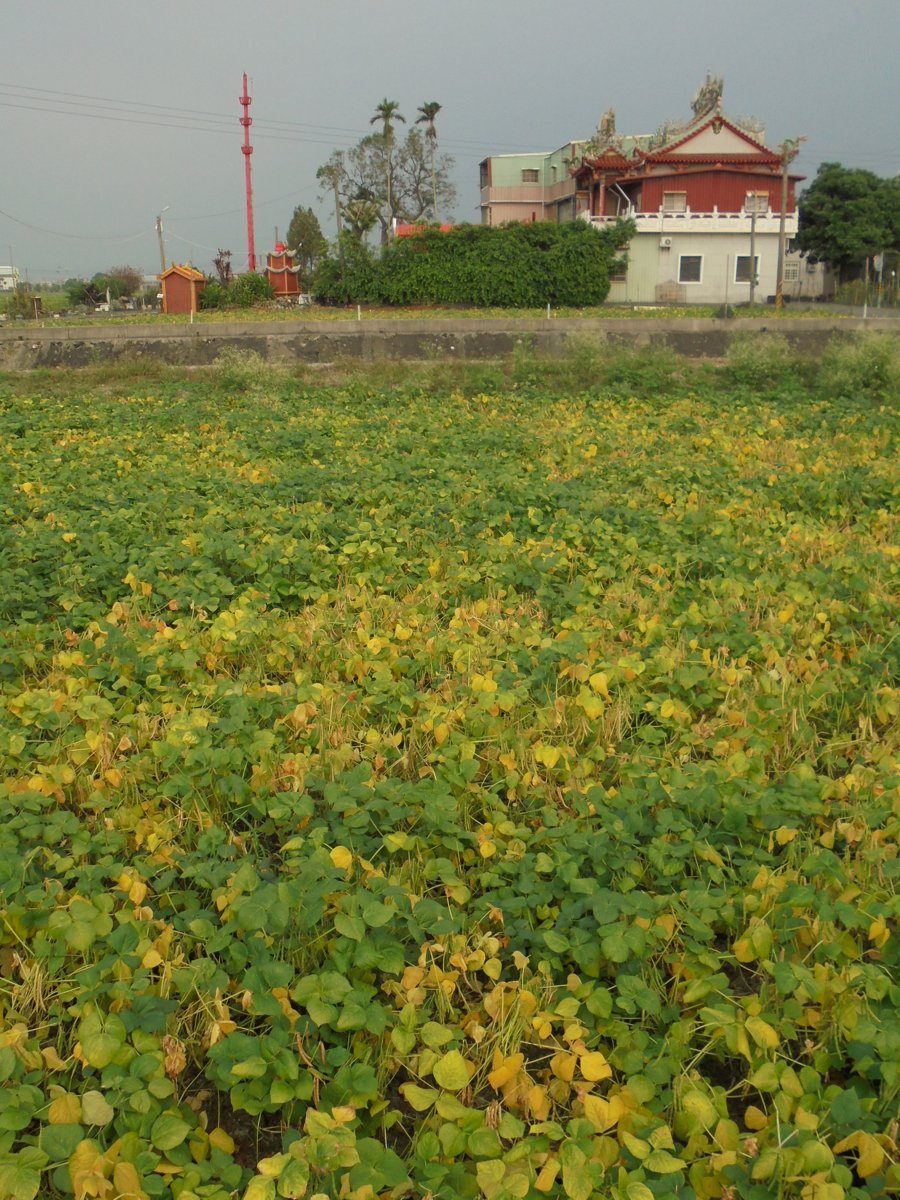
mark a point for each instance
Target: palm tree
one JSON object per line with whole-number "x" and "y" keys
{"x": 429, "y": 110}
{"x": 387, "y": 112}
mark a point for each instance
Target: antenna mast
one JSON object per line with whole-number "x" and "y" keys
{"x": 247, "y": 150}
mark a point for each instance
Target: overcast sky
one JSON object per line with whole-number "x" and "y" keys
{"x": 110, "y": 111}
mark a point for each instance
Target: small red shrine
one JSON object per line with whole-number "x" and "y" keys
{"x": 181, "y": 288}
{"x": 281, "y": 272}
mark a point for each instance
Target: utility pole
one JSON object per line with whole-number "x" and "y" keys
{"x": 789, "y": 149}
{"x": 162, "y": 245}
{"x": 247, "y": 150}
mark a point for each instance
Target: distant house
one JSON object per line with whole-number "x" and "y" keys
{"x": 9, "y": 278}
{"x": 181, "y": 288}
{"x": 699, "y": 193}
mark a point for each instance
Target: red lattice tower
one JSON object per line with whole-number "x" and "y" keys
{"x": 246, "y": 120}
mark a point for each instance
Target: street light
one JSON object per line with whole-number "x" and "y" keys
{"x": 159, "y": 233}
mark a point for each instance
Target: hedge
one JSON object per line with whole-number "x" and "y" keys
{"x": 506, "y": 266}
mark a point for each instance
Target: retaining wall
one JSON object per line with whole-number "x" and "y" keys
{"x": 26, "y": 346}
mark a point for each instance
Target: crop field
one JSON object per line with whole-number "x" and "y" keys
{"x": 451, "y": 782}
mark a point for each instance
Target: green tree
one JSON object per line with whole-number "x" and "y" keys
{"x": 427, "y": 113}
{"x": 387, "y": 112}
{"x": 361, "y": 216}
{"x": 306, "y": 239}
{"x": 360, "y": 174}
{"x": 124, "y": 281}
{"x": 846, "y": 215}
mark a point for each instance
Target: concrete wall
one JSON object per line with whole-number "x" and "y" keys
{"x": 25, "y": 347}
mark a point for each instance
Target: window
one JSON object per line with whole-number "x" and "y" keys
{"x": 791, "y": 272}
{"x": 485, "y": 175}
{"x": 674, "y": 202}
{"x": 742, "y": 268}
{"x": 531, "y": 175}
{"x": 756, "y": 202}
{"x": 690, "y": 268}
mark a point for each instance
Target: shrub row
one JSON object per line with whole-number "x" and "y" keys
{"x": 511, "y": 266}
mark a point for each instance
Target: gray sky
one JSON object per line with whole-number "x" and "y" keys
{"x": 110, "y": 110}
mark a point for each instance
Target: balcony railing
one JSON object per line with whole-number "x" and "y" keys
{"x": 701, "y": 222}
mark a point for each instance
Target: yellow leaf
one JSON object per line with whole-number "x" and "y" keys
{"x": 594, "y": 1067}
{"x": 666, "y": 709}
{"x": 441, "y": 733}
{"x": 743, "y": 950}
{"x": 879, "y": 932}
{"x": 548, "y": 755}
{"x": 127, "y": 1181}
{"x": 600, "y": 684}
{"x": 64, "y": 1110}
{"x": 151, "y": 959}
{"x": 221, "y": 1140}
{"x": 593, "y": 706}
{"x": 563, "y": 1066}
{"x": 638, "y": 1147}
{"x": 505, "y": 1071}
{"x": 762, "y": 1033}
{"x": 341, "y": 857}
{"x": 52, "y": 1059}
{"x": 547, "y": 1175}
{"x": 700, "y": 1107}
{"x": 871, "y": 1156}
{"x": 603, "y": 1114}
{"x": 755, "y": 1119}
{"x": 538, "y": 1103}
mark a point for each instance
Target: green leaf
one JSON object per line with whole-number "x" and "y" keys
{"x": 95, "y": 1110}
{"x": 419, "y": 1098}
{"x": 661, "y": 1162}
{"x": 59, "y": 1141}
{"x": 638, "y": 1191}
{"x": 434, "y": 1035}
{"x": 20, "y": 1175}
{"x": 253, "y": 1067}
{"x": 101, "y": 1038}
{"x": 294, "y": 1179}
{"x": 351, "y": 927}
{"x": 169, "y": 1131}
{"x": 452, "y": 1071}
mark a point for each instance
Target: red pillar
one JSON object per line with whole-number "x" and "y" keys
{"x": 247, "y": 150}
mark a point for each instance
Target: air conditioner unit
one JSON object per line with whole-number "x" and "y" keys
{"x": 665, "y": 243}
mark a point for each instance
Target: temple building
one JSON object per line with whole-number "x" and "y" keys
{"x": 704, "y": 195}
{"x": 281, "y": 272}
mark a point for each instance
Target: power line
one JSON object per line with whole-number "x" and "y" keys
{"x": 205, "y": 116}
{"x": 83, "y": 237}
